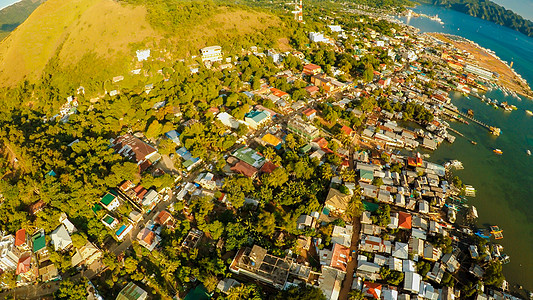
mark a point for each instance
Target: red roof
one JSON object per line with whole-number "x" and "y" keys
{"x": 322, "y": 142}
{"x": 163, "y": 217}
{"x": 339, "y": 258}
{"x": 268, "y": 167}
{"x": 20, "y": 237}
{"x": 133, "y": 148}
{"x": 372, "y": 289}
{"x": 312, "y": 89}
{"x": 140, "y": 191}
{"x": 404, "y": 220}
{"x": 23, "y": 265}
{"x": 309, "y": 111}
{"x": 347, "y": 130}
{"x": 312, "y": 67}
{"x": 278, "y": 93}
{"x": 245, "y": 169}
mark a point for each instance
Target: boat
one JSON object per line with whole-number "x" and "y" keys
{"x": 505, "y": 259}
{"x": 452, "y": 215}
{"x": 470, "y": 112}
{"x": 498, "y": 151}
{"x": 496, "y": 232}
{"x": 528, "y": 152}
{"x": 529, "y": 112}
{"x": 473, "y": 142}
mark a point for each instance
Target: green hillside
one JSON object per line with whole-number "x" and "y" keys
{"x": 14, "y": 15}
{"x": 86, "y": 42}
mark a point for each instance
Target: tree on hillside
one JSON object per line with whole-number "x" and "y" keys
{"x": 368, "y": 74}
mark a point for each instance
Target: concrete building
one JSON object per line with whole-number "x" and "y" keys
{"x": 211, "y": 54}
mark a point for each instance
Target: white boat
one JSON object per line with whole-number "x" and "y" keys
{"x": 528, "y": 152}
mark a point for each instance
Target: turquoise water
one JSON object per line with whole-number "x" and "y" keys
{"x": 504, "y": 183}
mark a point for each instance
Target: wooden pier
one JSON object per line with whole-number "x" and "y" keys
{"x": 466, "y": 116}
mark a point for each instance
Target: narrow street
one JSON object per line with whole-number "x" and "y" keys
{"x": 352, "y": 265}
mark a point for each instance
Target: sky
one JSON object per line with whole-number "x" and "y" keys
{"x": 521, "y": 7}
{"x": 6, "y": 3}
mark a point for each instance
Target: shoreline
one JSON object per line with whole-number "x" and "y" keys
{"x": 508, "y": 77}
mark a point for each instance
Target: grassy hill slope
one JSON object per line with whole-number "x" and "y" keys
{"x": 95, "y": 39}
{"x": 13, "y": 15}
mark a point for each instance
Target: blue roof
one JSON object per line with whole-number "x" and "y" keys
{"x": 257, "y": 116}
{"x": 250, "y": 95}
{"x": 174, "y": 136}
{"x": 183, "y": 152}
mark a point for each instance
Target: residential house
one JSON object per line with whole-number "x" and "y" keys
{"x": 310, "y": 113}
{"x": 342, "y": 235}
{"x": 86, "y": 255}
{"x": 340, "y": 257}
{"x": 25, "y": 268}
{"x": 312, "y": 90}
{"x": 192, "y": 238}
{"x": 133, "y": 148}
{"x": 9, "y": 255}
{"x": 336, "y": 201}
{"x": 330, "y": 282}
{"x": 256, "y": 263}
{"x": 305, "y": 130}
{"x": 21, "y": 240}
{"x": 211, "y": 54}
{"x": 226, "y": 284}
{"x": 304, "y": 221}
{"x": 110, "y": 202}
{"x": 48, "y": 272}
{"x": 256, "y": 119}
{"x": 431, "y": 252}
{"x": 372, "y": 290}
{"x": 109, "y": 221}
{"x": 132, "y": 292}
{"x": 244, "y": 169}
{"x": 228, "y": 120}
{"x": 61, "y": 238}
{"x": 404, "y": 220}
{"x": 312, "y": 69}
{"x": 412, "y": 282}
{"x": 401, "y": 250}
{"x": 39, "y": 243}
{"x": 148, "y": 239}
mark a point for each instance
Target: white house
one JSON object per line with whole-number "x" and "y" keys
{"x": 60, "y": 238}
{"x": 211, "y": 54}
{"x": 412, "y": 282}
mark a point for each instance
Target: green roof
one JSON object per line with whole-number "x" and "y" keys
{"x": 305, "y": 148}
{"x": 366, "y": 174}
{"x": 371, "y": 207}
{"x": 199, "y": 293}
{"x": 107, "y": 199}
{"x": 108, "y": 219}
{"x": 249, "y": 156}
{"x": 39, "y": 242}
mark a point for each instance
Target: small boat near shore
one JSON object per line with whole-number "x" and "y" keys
{"x": 528, "y": 112}
{"x": 498, "y": 151}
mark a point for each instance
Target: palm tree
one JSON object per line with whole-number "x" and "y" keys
{"x": 238, "y": 292}
{"x": 356, "y": 295}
